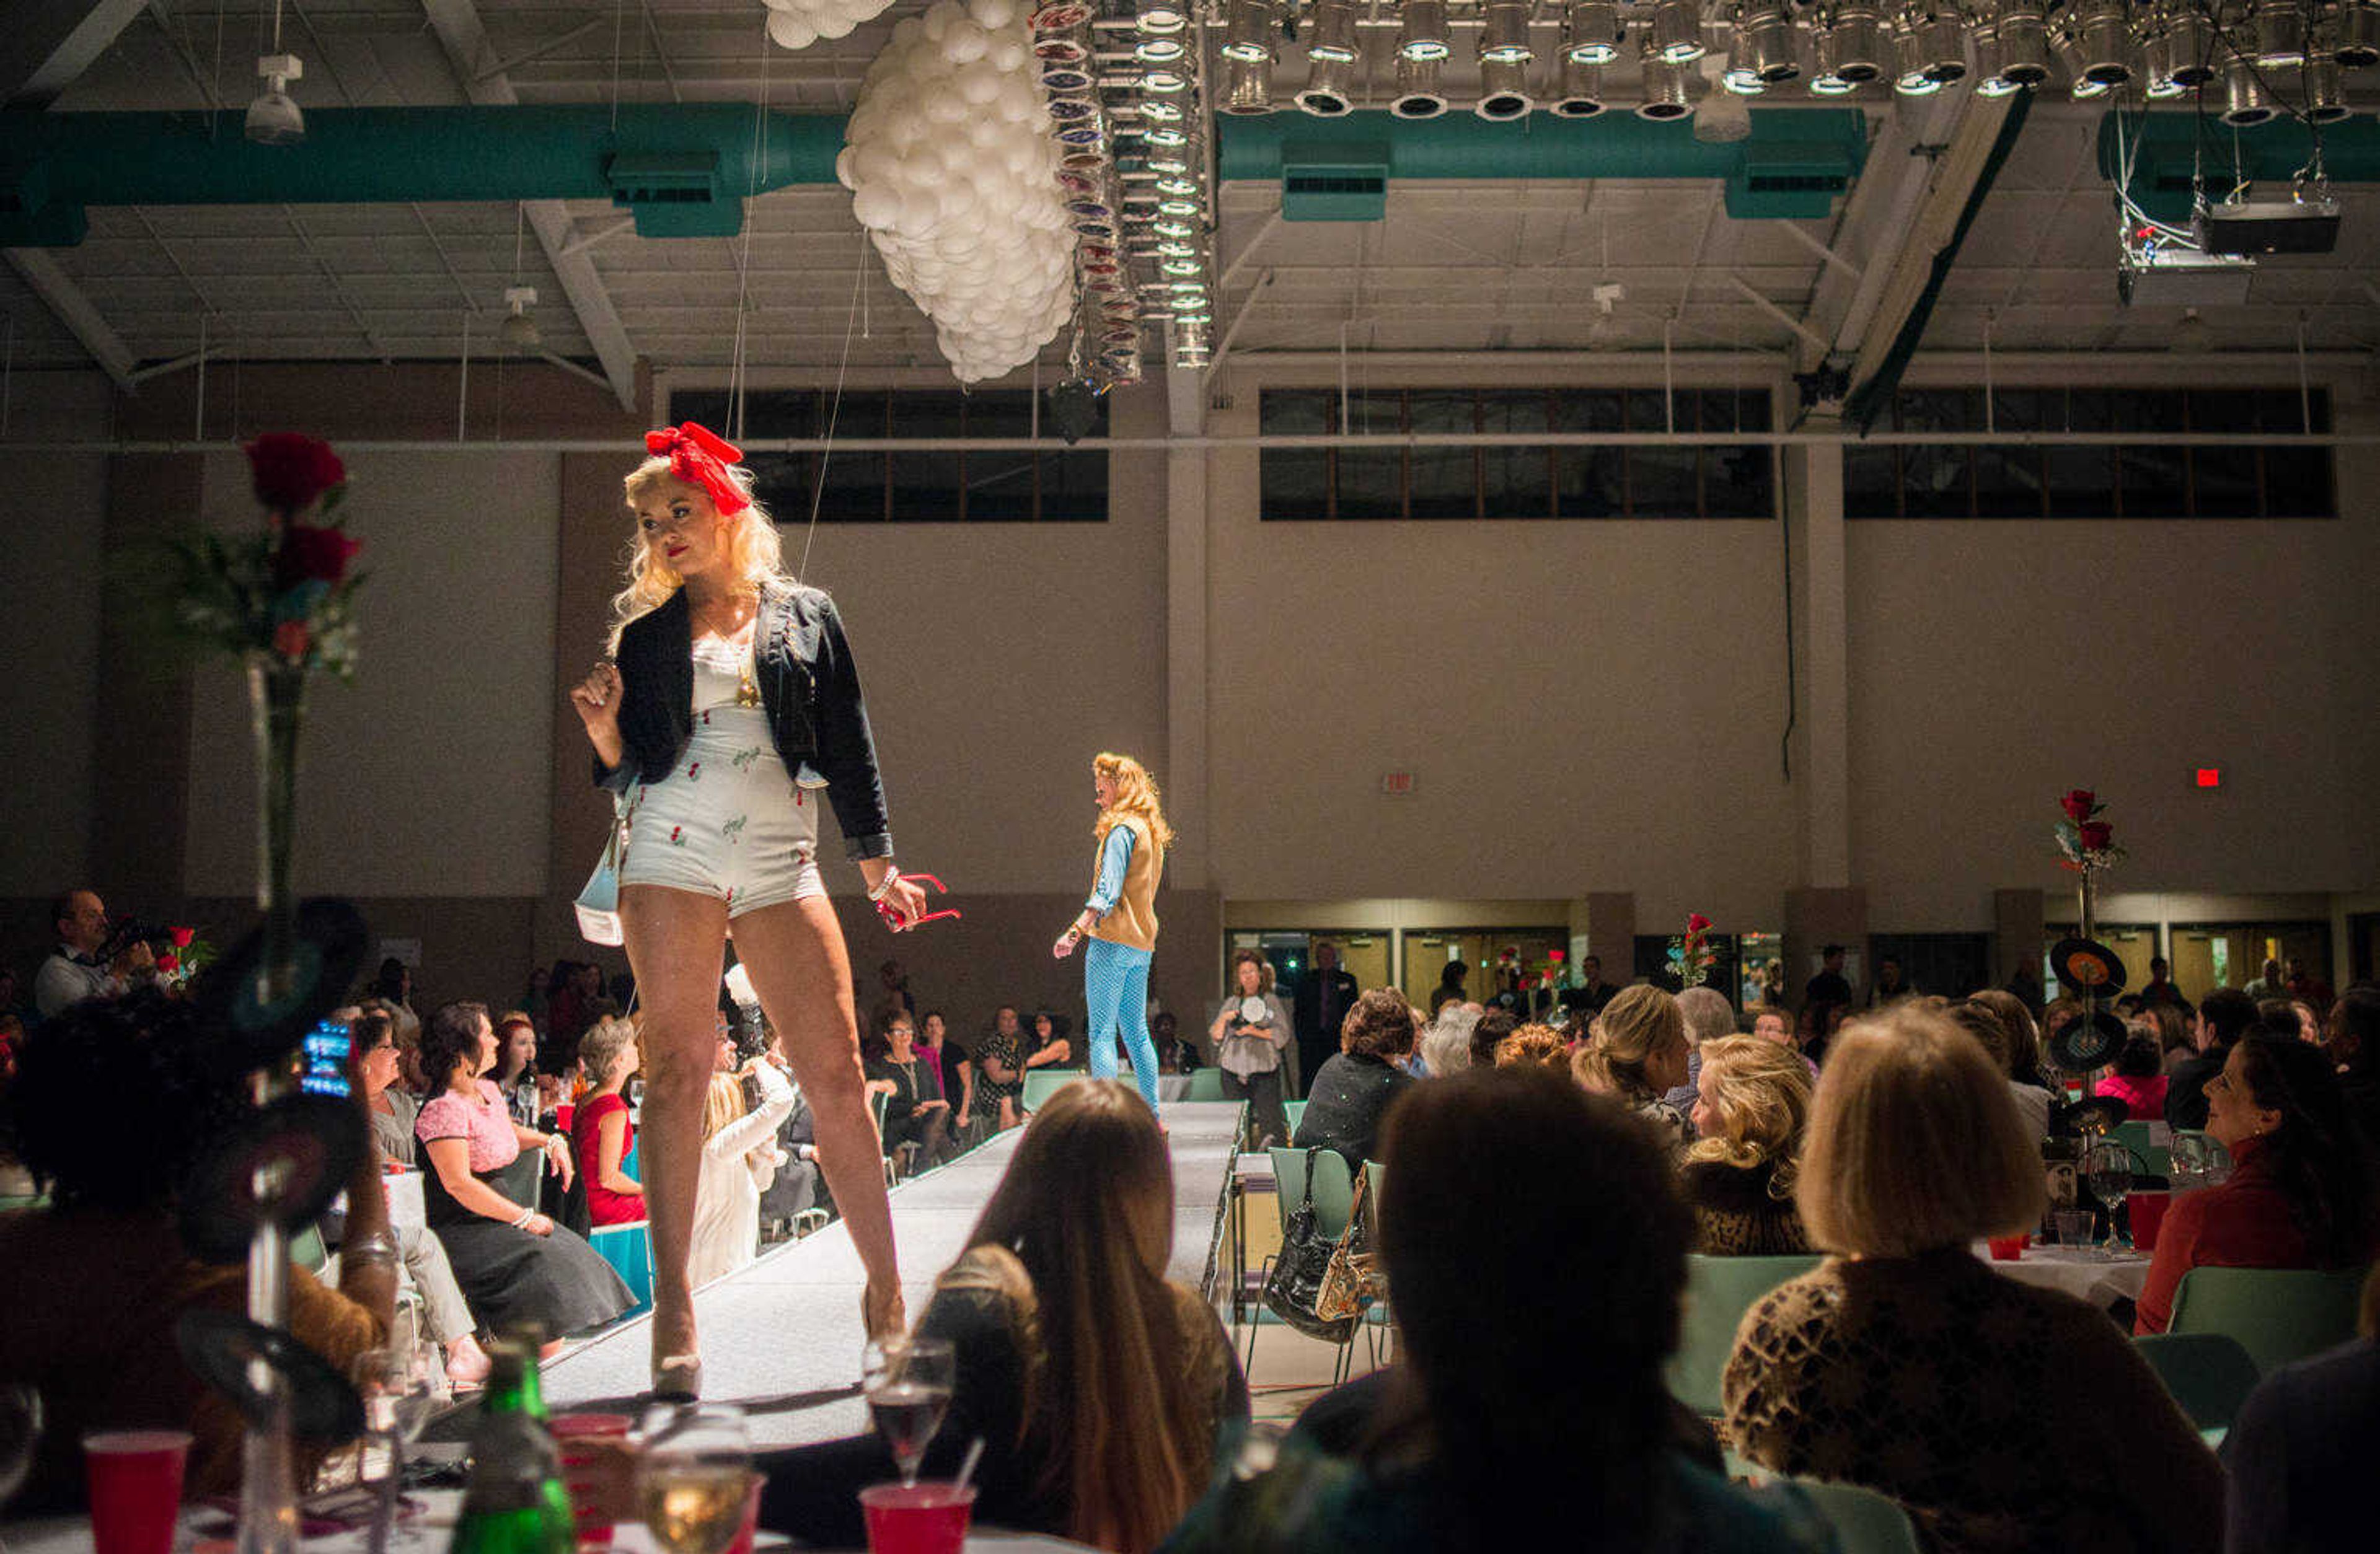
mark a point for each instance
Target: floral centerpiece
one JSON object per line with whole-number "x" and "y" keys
{"x": 2085, "y": 843}
{"x": 284, "y": 593}
{"x": 187, "y": 955}
{"x": 1691, "y": 955}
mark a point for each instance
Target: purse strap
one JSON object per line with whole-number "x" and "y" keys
{"x": 1311, "y": 1151}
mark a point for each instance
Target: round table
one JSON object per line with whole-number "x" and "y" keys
{"x": 2086, "y": 1272}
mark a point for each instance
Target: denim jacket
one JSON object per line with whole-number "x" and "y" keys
{"x": 808, "y": 686}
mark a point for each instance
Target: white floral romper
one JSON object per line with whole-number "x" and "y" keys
{"x": 728, "y": 820}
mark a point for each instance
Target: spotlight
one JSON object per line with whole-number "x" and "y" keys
{"x": 1161, "y": 48}
{"x": 2280, "y": 33}
{"x": 1582, "y": 90}
{"x": 1942, "y": 45}
{"x": 2326, "y": 96}
{"x": 273, "y": 117}
{"x": 2103, "y": 33}
{"x": 1668, "y": 95}
{"x": 1166, "y": 135}
{"x": 1503, "y": 91}
{"x": 1857, "y": 33}
{"x": 2190, "y": 33}
{"x": 1173, "y": 160}
{"x": 1190, "y": 346}
{"x": 1169, "y": 79}
{"x": 1327, "y": 93}
{"x": 1331, "y": 33}
{"x": 519, "y": 330}
{"x": 1505, "y": 40}
{"x": 2244, "y": 103}
{"x": 1828, "y": 84}
{"x": 1989, "y": 80}
{"x": 1723, "y": 117}
{"x": 1418, "y": 91}
{"x": 1677, "y": 31}
{"x": 1160, "y": 109}
{"x": 1910, "y": 76}
{"x": 1421, "y": 30}
{"x": 1248, "y": 31}
{"x": 1173, "y": 227}
{"x": 1074, "y": 408}
{"x": 1765, "y": 44}
{"x": 1592, "y": 31}
{"x": 1247, "y": 86}
{"x": 2024, "y": 43}
{"x": 2358, "y": 35}
{"x": 1159, "y": 16}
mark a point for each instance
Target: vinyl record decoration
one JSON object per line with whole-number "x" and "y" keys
{"x": 226, "y": 1352}
{"x": 330, "y": 942}
{"x": 2087, "y": 965}
{"x": 2089, "y": 1041}
{"x": 2086, "y": 847}
{"x": 285, "y": 1164}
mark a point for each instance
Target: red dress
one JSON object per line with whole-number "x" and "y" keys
{"x": 2144, "y": 1099}
{"x": 2243, "y": 1223}
{"x": 604, "y": 1206}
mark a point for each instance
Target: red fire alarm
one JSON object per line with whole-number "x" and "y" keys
{"x": 2210, "y": 776}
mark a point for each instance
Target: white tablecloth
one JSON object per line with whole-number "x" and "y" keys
{"x": 2086, "y": 1273}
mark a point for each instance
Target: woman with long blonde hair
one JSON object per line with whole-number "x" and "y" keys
{"x": 1121, "y": 918}
{"x": 729, "y": 696}
{"x": 1098, "y": 1387}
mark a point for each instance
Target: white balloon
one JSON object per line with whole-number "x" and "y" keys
{"x": 993, "y": 16}
{"x": 876, "y": 206}
{"x": 788, "y": 30}
{"x": 836, "y": 24}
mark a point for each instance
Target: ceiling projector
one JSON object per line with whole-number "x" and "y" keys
{"x": 2305, "y": 223}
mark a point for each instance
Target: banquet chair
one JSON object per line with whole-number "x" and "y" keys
{"x": 629, "y": 1249}
{"x": 1334, "y": 1204}
{"x": 2135, "y": 1135}
{"x": 1863, "y": 1521}
{"x": 1206, "y": 1083}
{"x": 2208, "y": 1374}
{"x": 1718, "y": 1291}
{"x": 1041, "y": 1083}
{"x": 2278, "y": 1313}
{"x": 1295, "y": 1112}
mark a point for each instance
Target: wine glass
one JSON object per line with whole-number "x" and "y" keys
{"x": 693, "y": 1476}
{"x": 908, "y": 1385}
{"x": 21, "y": 1431}
{"x": 2109, "y": 1169}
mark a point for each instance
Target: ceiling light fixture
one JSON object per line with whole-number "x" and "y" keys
{"x": 1582, "y": 90}
{"x": 1247, "y": 87}
{"x": 1503, "y": 91}
{"x": 1592, "y": 31}
{"x": 519, "y": 330}
{"x": 1421, "y": 30}
{"x": 1248, "y": 26}
{"x": 1668, "y": 95}
{"x": 1331, "y": 33}
{"x": 1677, "y": 31}
{"x": 1417, "y": 90}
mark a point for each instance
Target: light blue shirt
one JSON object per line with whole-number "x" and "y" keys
{"x": 1115, "y": 856}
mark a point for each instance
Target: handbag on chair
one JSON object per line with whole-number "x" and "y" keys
{"x": 1296, "y": 1279}
{"x": 599, "y": 902}
{"x": 1354, "y": 1277}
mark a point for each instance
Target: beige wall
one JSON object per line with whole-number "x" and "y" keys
{"x": 50, "y": 534}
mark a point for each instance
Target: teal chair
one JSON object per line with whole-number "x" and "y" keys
{"x": 306, "y": 1250}
{"x": 1334, "y": 1204}
{"x": 1295, "y": 1112}
{"x": 1718, "y": 1291}
{"x": 2278, "y": 1315}
{"x": 1043, "y": 1083}
{"x": 1206, "y": 1083}
{"x": 1863, "y": 1521}
{"x": 2136, "y": 1138}
{"x": 2208, "y": 1374}
{"x": 629, "y": 1249}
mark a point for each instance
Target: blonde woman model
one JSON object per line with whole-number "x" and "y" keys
{"x": 729, "y": 699}
{"x": 1121, "y": 918}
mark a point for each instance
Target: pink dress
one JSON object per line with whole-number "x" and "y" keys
{"x": 2144, "y": 1099}
{"x": 487, "y": 1126}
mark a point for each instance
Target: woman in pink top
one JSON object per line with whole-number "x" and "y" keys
{"x": 2139, "y": 1081}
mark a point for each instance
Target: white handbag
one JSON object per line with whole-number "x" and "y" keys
{"x": 599, "y": 902}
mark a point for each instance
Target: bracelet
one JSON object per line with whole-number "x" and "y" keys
{"x": 381, "y": 1249}
{"x": 525, "y": 1216}
{"x": 885, "y": 888}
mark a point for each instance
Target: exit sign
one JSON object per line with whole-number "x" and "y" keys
{"x": 1398, "y": 785}
{"x": 2210, "y": 776}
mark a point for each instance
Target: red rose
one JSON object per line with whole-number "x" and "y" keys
{"x": 308, "y": 555}
{"x": 2079, "y": 804}
{"x": 2095, "y": 835}
{"x": 181, "y": 937}
{"x": 291, "y": 639}
{"x": 292, "y": 470}
{"x": 1696, "y": 923}
{"x": 169, "y": 963}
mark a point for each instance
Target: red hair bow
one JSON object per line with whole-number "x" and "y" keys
{"x": 700, "y": 456}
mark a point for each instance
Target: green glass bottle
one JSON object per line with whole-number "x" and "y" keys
{"x": 515, "y": 1503}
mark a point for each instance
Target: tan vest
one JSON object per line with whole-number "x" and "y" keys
{"x": 1134, "y": 921}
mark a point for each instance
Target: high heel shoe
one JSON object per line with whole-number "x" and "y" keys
{"x": 677, "y": 1379}
{"x": 888, "y": 1319}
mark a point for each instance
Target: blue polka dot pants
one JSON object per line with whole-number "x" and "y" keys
{"x": 1115, "y": 986}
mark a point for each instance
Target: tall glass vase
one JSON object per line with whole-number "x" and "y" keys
{"x": 276, "y": 695}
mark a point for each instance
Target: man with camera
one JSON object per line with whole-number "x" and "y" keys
{"x": 87, "y": 965}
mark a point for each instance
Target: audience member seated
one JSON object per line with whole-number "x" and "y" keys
{"x": 1635, "y": 1052}
{"x": 601, "y": 1132}
{"x": 739, "y": 1161}
{"x": 515, "y": 1074}
{"x": 1097, "y": 1387}
{"x": 97, "y": 1280}
{"x": 999, "y": 1071}
{"x": 2310, "y": 1022}
{"x": 2299, "y": 1449}
{"x": 2177, "y": 1043}
{"x": 799, "y": 1185}
{"x": 1541, "y": 1045}
{"x": 514, "y": 1264}
{"x": 2353, "y": 1045}
{"x": 1708, "y": 1017}
{"x": 1503, "y": 1184}
{"x": 2138, "y": 1080}
{"x": 1253, "y": 1054}
{"x": 1750, "y": 1105}
{"x": 1351, "y": 1092}
{"x": 1487, "y": 1032}
{"x": 2301, "y": 1194}
{"x": 1992, "y": 1033}
{"x": 74, "y": 973}
{"x": 1176, "y": 1053}
{"x": 2223, "y": 1018}
{"x": 371, "y": 1034}
{"x": 1047, "y": 1049}
{"x": 915, "y": 1112}
{"x": 953, "y": 1075}
{"x": 2002, "y": 1415}
{"x": 1445, "y": 1044}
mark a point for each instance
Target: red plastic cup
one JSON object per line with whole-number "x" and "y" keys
{"x": 2147, "y": 1211}
{"x": 2009, "y": 1248}
{"x": 929, "y": 1518}
{"x": 751, "y": 1521}
{"x": 573, "y": 1433}
{"x": 135, "y": 1479}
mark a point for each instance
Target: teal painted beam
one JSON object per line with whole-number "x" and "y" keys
{"x": 1794, "y": 164}
{"x": 683, "y": 170}
{"x": 2164, "y": 147}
